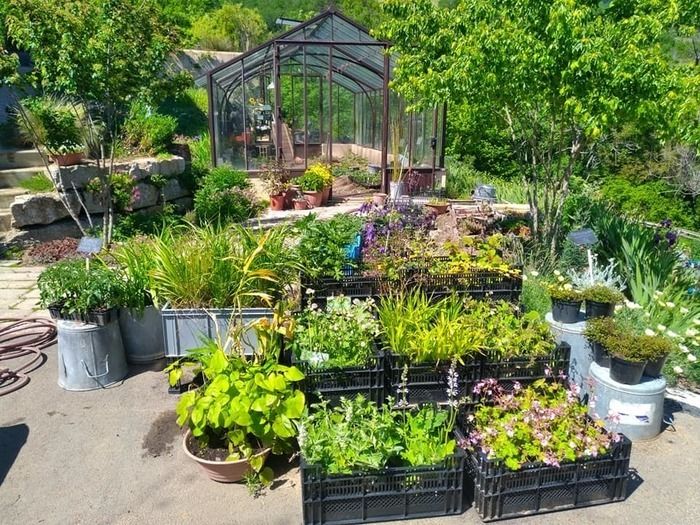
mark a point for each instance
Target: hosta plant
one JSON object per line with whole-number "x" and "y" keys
{"x": 243, "y": 406}
{"x": 341, "y": 335}
{"x": 543, "y": 423}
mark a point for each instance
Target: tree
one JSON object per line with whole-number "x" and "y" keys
{"x": 557, "y": 74}
{"x": 230, "y": 28}
{"x": 103, "y": 54}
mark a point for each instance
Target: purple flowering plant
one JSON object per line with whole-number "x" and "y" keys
{"x": 543, "y": 423}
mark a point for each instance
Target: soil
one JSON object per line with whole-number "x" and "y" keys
{"x": 344, "y": 188}
{"x": 162, "y": 436}
{"x": 207, "y": 453}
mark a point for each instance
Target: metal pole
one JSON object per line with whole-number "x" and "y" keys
{"x": 306, "y": 118}
{"x": 330, "y": 104}
{"x": 278, "y": 102}
{"x": 212, "y": 119}
{"x": 245, "y": 119}
{"x": 385, "y": 123}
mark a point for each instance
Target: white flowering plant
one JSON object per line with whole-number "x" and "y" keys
{"x": 341, "y": 335}
{"x": 562, "y": 289}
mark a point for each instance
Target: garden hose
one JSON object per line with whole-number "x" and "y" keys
{"x": 22, "y": 338}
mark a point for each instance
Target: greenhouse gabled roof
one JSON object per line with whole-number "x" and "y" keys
{"x": 329, "y": 42}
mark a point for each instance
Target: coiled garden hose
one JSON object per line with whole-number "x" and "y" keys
{"x": 22, "y": 338}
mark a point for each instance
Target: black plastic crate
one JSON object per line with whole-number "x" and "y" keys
{"x": 394, "y": 493}
{"x": 526, "y": 370}
{"x": 334, "y": 383}
{"x": 427, "y": 382}
{"x": 500, "y": 493}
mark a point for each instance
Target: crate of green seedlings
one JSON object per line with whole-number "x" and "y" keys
{"x": 429, "y": 342}
{"x": 335, "y": 348}
{"x": 362, "y": 464}
{"x": 535, "y": 450}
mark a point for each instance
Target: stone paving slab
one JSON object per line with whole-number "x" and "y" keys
{"x": 19, "y": 294}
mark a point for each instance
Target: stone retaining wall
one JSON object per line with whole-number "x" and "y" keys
{"x": 35, "y": 210}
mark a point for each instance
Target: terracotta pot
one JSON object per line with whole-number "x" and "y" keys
{"x": 301, "y": 204}
{"x": 326, "y": 195}
{"x": 438, "y": 209}
{"x": 314, "y": 198}
{"x": 222, "y": 471}
{"x": 277, "y": 202}
{"x": 69, "y": 159}
{"x": 379, "y": 199}
{"x": 289, "y": 196}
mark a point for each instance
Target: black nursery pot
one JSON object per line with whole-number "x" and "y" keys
{"x": 565, "y": 311}
{"x": 626, "y": 372}
{"x": 600, "y": 355}
{"x": 595, "y": 309}
{"x": 653, "y": 368}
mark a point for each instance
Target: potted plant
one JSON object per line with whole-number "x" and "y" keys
{"x": 534, "y": 450}
{"x": 244, "y": 410}
{"x": 139, "y": 320}
{"x": 628, "y": 357}
{"x": 657, "y": 349}
{"x": 300, "y": 202}
{"x": 209, "y": 279}
{"x": 601, "y": 300}
{"x": 335, "y": 348}
{"x": 598, "y": 331}
{"x": 312, "y": 183}
{"x": 325, "y": 173}
{"x": 566, "y": 300}
{"x": 56, "y": 125}
{"x": 276, "y": 179}
{"x": 358, "y": 460}
{"x": 437, "y": 206}
{"x": 80, "y": 290}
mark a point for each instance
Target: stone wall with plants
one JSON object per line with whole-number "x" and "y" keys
{"x": 141, "y": 184}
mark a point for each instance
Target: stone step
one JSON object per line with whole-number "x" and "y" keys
{"x": 5, "y": 220}
{"x": 7, "y": 196}
{"x": 25, "y": 158}
{"x": 10, "y": 178}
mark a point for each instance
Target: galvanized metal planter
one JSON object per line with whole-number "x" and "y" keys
{"x": 142, "y": 334}
{"x": 186, "y": 329}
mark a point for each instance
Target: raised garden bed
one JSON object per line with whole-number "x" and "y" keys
{"x": 334, "y": 383}
{"x": 500, "y": 493}
{"x": 390, "y": 494}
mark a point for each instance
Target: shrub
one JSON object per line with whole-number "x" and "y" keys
{"x": 315, "y": 178}
{"x": 322, "y": 246}
{"x": 53, "y": 122}
{"x": 145, "y": 223}
{"x": 190, "y": 108}
{"x": 147, "y": 131}
{"x": 225, "y": 195}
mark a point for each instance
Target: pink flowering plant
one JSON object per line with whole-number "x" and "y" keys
{"x": 543, "y": 423}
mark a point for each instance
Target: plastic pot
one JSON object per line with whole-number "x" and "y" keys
{"x": 222, "y": 471}
{"x": 565, "y": 311}
{"x": 626, "y": 372}
{"x": 396, "y": 190}
{"x": 314, "y": 198}
{"x": 595, "y": 309}
{"x": 600, "y": 354}
{"x": 653, "y": 368}
{"x": 277, "y": 202}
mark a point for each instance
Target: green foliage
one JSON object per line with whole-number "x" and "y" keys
{"x": 475, "y": 254}
{"x": 225, "y": 196}
{"x": 145, "y": 223}
{"x": 535, "y": 297}
{"x": 602, "y": 294}
{"x": 601, "y": 329}
{"x": 311, "y": 180}
{"x": 122, "y": 188}
{"x": 190, "y": 108}
{"x": 340, "y": 336}
{"x": 37, "y": 183}
{"x": 243, "y": 406}
{"x": 543, "y": 423}
{"x": 653, "y": 201}
{"x": 561, "y": 289}
{"x": 79, "y": 286}
{"x": 322, "y": 244}
{"x": 358, "y": 436}
{"x": 232, "y": 27}
{"x": 134, "y": 265}
{"x": 453, "y": 327}
{"x": 209, "y": 267}
{"x": 147, "y": 131}
{"x": 463, "y": 178}
{"x": 51, "y": 123}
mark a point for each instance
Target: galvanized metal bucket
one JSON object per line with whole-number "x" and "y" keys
{"x": 142, "y": 334}
{"x": 89, "y": 356}
{"x": 485, "y": 192}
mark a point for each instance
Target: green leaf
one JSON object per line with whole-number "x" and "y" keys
{"x": 267, "y": 476}
{"x": 293, "y": 374}
{"x": 283, "y": 427}
{"x": 294, "y": 405}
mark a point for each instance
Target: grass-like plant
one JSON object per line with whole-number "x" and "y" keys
{"x": 134, "y": 265}
{"x": 212, "y": 267}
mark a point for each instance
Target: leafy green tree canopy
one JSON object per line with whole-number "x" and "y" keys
{"x": 230, "y": 28}
{"x": 558, "y": 74}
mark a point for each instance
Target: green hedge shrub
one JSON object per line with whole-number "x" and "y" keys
{"x": 224, "y": 196}
{"x": 146, "y": 131}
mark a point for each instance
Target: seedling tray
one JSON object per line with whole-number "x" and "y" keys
{"x": 500, "y": 493}
{"x": 395, "y": 493}
{"x": 334, "y": 383}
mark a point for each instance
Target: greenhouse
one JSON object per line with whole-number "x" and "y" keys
{"x": 319, "y": 92}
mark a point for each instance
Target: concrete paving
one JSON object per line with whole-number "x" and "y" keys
{"x": 19, "y": 295}
{"x": 114, "y": 456}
